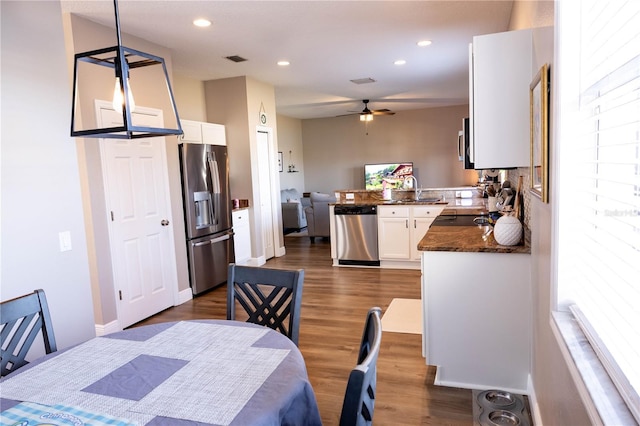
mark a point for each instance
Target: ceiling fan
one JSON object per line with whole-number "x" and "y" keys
{"x": 367, "y": 115}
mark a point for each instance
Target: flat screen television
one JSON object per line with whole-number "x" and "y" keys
{"x": 392, "y": 173}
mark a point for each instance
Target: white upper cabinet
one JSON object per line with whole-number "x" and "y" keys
{"x": 200, "y": 132}
{"x": 500, "y": 73}
{"x": 191, "y": 131}
{"x": 213, "y": 134}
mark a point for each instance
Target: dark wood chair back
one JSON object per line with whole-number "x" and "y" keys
{"x": 269, "y": 297}
{"x": 360, "y": 395}
{"x": 21, "y": 320}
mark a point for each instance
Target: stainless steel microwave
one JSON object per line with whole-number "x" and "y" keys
{"x": 464, "y": 142}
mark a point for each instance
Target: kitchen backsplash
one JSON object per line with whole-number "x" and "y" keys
{"x": 512, "y": 176}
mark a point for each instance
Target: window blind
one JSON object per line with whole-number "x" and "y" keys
{"x": 599, "y": 217}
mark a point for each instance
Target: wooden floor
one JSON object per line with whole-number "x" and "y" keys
{"x": 334, "y": 304}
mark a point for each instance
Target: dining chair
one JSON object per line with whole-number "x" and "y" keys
{"x": 359, "y": 398}
{"x": 270, "y": 297}
{"x": 21, "y": 320}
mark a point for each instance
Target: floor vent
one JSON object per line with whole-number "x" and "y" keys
{"x": 496, "y": 407}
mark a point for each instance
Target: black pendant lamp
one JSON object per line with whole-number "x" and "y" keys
{"x": 97, "y": 72}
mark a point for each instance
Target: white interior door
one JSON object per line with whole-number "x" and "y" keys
{"x": 265, "y": 174}
{"x": 141, "y": 234}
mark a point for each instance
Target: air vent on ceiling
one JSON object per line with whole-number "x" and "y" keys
{"x": 363, "y": 80}
{"x": 236, "y": 58}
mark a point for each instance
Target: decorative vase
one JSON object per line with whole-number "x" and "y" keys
{"x": 508, "y": 231}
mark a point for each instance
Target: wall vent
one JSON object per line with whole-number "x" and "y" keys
{"x": 236, "y": 58}
{"x": 363, "y": 80}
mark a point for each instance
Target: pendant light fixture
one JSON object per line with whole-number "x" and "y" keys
{"x": 94, "y": 76}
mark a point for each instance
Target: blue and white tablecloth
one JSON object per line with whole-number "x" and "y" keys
{"x": 196, "y": 372}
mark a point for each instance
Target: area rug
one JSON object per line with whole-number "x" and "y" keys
{"x": 403, "y": 316}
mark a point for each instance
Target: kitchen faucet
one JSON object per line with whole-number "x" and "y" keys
{"x": 417, "y": 191}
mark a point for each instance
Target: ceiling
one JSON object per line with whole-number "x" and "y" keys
{"x": 328, "y": 43}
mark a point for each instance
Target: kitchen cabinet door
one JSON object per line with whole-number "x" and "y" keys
{"x": 191, "y": 131}
{"x": 421, "y": 218}
{"x": 393, "y": 233}
{"x": 242, "y": 236}
{"x": 200, "y": 132}
{"x": 420, "y": 226}
{"x": 213, "y": 134}
{"x": 501, "y": 71}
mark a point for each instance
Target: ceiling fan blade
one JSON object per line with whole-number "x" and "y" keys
{"x": 382, "y": 112}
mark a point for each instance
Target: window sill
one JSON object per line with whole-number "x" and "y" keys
{"x": 599, "y": 395}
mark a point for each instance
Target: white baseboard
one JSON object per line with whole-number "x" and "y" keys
{"x": 474, "y": 386}
{"x": 184, "y": 296}
{"x": 104, "y": 329}
{"x": 399, "y": 264}
{"x": 256, "y": 261}
{"x": 534, "y": 409}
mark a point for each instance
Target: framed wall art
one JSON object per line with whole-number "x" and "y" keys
{"x": 539, "y": 122}
{"x": 280, "y": 167}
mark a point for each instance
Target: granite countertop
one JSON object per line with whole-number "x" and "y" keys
{"x": 467, "y": 239}
{"x": 461, "y": 206}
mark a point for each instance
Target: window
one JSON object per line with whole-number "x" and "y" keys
{"x": 598, "y": 191}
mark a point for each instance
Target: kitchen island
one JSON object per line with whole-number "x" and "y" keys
{"x": 402, "y": 221}
{"x": 476, "y": 308}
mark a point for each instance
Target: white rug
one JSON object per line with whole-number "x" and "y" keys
{"x": 403, "y": 316}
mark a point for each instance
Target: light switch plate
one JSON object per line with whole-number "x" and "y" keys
{"x": 65, "y": 240}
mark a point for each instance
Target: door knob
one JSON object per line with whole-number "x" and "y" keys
{"x": 164, "y": 222}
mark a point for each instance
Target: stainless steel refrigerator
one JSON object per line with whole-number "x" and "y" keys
{"x": 207, "y": 213}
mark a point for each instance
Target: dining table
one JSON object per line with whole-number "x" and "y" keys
{"x": 199, "y": 372}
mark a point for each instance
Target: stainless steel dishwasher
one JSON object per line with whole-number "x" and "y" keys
{"x": 357, "y": 234}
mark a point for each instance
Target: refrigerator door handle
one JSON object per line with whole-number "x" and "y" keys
{"x": 215, "y": 185}
{"x": 213, "y": 241}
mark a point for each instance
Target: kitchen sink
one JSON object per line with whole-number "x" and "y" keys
{"x": 460, "y": 220}
{"x": 420, "y": 201}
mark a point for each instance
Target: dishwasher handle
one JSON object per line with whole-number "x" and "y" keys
{"x": 356, "y": 209}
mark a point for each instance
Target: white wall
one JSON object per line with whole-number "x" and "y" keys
{"x": 189, "y": 97}
{"x": 558, "y": 402}
{"x": 40, "y": 185}
{"x": 336, "y": 149}
{"x": 290, "y": 144}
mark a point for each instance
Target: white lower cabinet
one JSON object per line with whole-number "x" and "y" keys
{"x": 393, "y": 232}
{"x": 476, "y": 319}
{"x": 242, "y": 236}
{"x": 400, "y": 229}
{"x": 421, "y": 219}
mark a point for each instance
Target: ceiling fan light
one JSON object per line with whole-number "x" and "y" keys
{"x": 202, "y": 22}
{"x": 366, "y": 117}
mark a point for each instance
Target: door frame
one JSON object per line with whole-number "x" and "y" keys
{"x": 274, "y": 180}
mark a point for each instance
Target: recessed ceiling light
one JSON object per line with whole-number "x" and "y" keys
{"x": 400, "y": 62}
{"x": 201, "y": 22}
{"x": 284, "y": 63}
{"x": 423, "y": 43}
